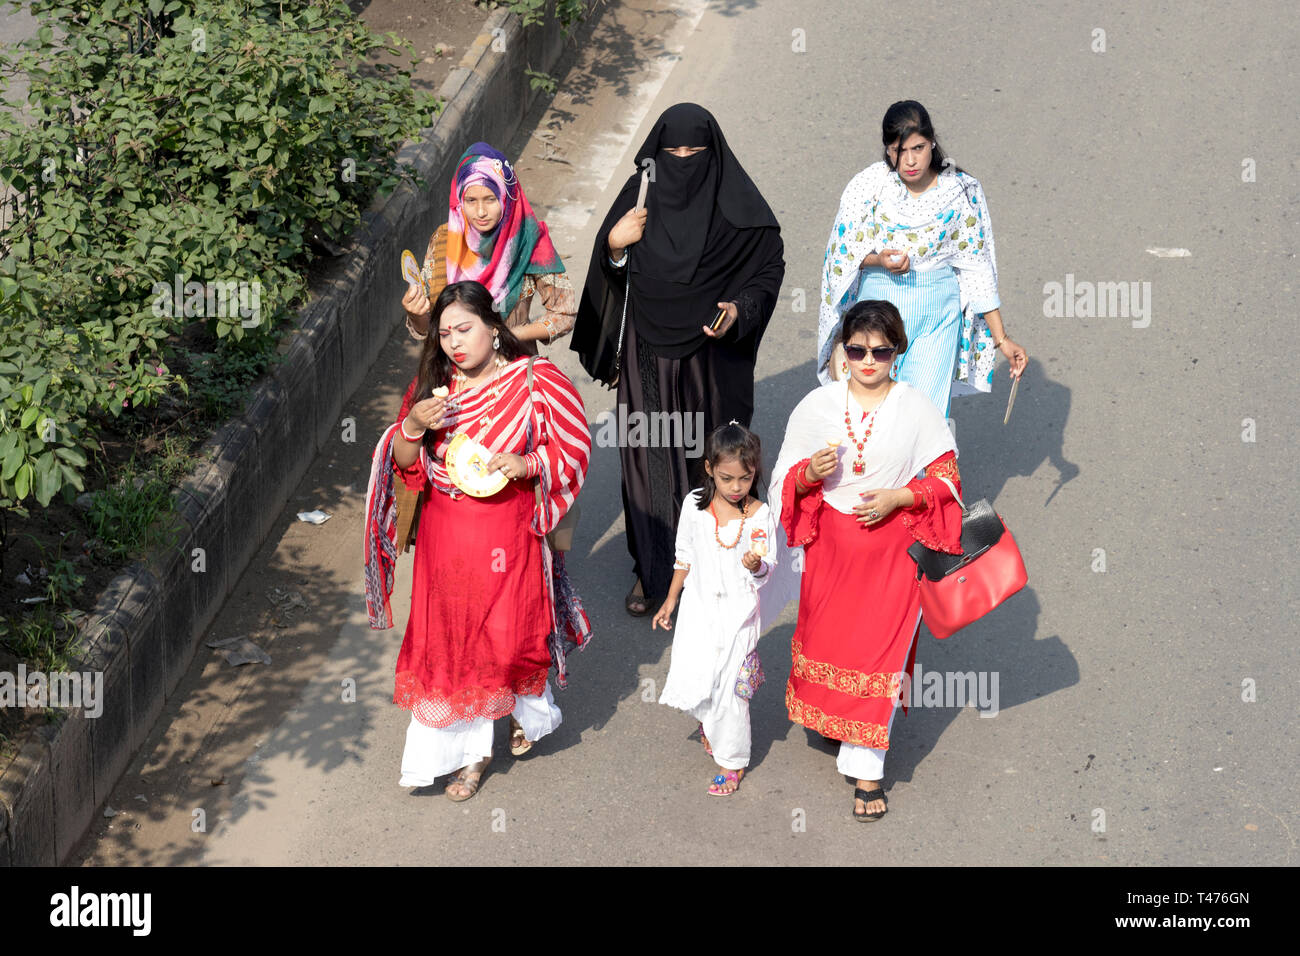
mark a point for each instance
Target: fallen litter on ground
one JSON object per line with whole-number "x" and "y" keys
{"x": 282, "y": 599}
{"x": 240, "y": 650}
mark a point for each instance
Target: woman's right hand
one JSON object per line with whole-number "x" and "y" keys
{"x": 416, "y": 302}
{"x": 822, "y": 464}
{"x": 895, "y": 260}
{"x": 626, "y": 231}
{"x": 428, "y": 413}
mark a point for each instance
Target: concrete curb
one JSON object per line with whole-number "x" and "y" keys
{"x": 147, "y": 624}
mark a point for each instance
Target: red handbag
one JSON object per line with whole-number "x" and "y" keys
{"x": 958, "y": 589}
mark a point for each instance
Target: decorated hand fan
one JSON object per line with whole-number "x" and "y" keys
{"x": 411, "y": 269}
{"x": 467, "y": 464}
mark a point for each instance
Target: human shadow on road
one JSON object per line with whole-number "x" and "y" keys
{"x": 991, "y": 453}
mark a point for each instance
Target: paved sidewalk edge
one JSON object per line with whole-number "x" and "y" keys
{"x": 147, "y": 624}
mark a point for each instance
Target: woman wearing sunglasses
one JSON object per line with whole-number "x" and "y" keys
{"x": 914, "y": 230}
{"x": 845, "y": 489}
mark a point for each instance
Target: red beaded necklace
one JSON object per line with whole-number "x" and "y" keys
{"x": 739, "y": 533}
{"x": 860, "y": 465}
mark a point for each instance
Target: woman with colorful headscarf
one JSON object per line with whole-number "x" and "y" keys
{"x": 706, "y": 242}
{"x": 492, "y": 237}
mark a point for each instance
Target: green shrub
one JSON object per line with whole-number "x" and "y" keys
{"x": 177, "y": 160}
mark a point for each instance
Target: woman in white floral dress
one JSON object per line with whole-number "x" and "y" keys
{"x": 914, "y": 230}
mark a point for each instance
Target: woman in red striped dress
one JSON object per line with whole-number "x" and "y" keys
{"x": 490, "y": 607}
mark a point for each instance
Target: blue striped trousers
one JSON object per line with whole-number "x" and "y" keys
{"x": 930, "y": 304}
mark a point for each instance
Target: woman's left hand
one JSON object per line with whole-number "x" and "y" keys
{"x": 1017, "y": 356}
{"x": 732, "y": 314}
{"x": 877, "y": 505}
{"x": 512, "y": 466}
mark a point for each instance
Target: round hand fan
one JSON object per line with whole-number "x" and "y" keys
{"x": 467, "y": 462}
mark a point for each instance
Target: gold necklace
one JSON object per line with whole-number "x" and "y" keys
{"x": 462, "y": 383}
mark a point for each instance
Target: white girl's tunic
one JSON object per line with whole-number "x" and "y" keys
{"x": 717, "y": 625}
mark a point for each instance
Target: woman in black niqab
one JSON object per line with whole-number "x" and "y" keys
{"x": 709, "y": 241}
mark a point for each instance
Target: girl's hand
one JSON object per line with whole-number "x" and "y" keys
{"x": 428, "y": 413}
{"x": 877, "y": 505}
{"x": 751, "y": 561}
{"x": 625, "y": 232}
{"x": 416, "y": 302}
{"x": 512, "y": 466}
{"x": 897, "y": 265}
{"x": 822, "y": 464}
{"x": 732, "y": 314}
{"x": 1017, "y": 356}
{"x": 664, "y": 616}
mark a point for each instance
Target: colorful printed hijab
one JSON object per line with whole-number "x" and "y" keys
{"x": 519, "y": 244}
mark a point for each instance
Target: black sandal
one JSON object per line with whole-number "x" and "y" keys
{"x": 636, "y": 599}
{"x": 866, "y": 796}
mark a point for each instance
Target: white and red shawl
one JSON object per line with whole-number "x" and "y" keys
{"x": 561, "y": 445}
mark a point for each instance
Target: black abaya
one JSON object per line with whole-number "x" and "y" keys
{"x": 668, "y": 364}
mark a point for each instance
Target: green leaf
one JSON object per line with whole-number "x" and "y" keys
{"x": 70, "y": 477}
{"x": 12, "y": 461}
{"x": 23, "y": 482}
{"x": 72, "y": 455}
{"x": 46, "y": 482}
{"x": 38, "y": 393}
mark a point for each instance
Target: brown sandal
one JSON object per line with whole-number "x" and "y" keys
{"x": 519, "y": 744}
{"x": 463, "y": 776}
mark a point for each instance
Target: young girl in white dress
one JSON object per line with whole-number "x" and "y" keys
{"x": 722, "y": 560}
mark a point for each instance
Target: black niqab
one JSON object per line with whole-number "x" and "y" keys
{"x": 710, "y": 237}
{"x": 687, "y": 194}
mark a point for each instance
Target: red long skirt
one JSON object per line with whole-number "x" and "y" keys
{"x": 859, "y": 608}
{"x": 480, "y": 609}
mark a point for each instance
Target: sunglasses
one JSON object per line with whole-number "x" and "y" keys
{"x": 856, "y": 353}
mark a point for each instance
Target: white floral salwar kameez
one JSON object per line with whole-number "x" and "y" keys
{"x": 948, "y": 237}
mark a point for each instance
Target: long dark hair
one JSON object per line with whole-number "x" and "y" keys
{"x": 731, "y": 441}
{"x": 436, "y": 367}
{"x": 902, "y": 119}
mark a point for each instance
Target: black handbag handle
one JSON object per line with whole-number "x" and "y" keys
{"x": 981, "y": 529}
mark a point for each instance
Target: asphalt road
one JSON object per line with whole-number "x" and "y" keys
{"x": 1123, "y": 735}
